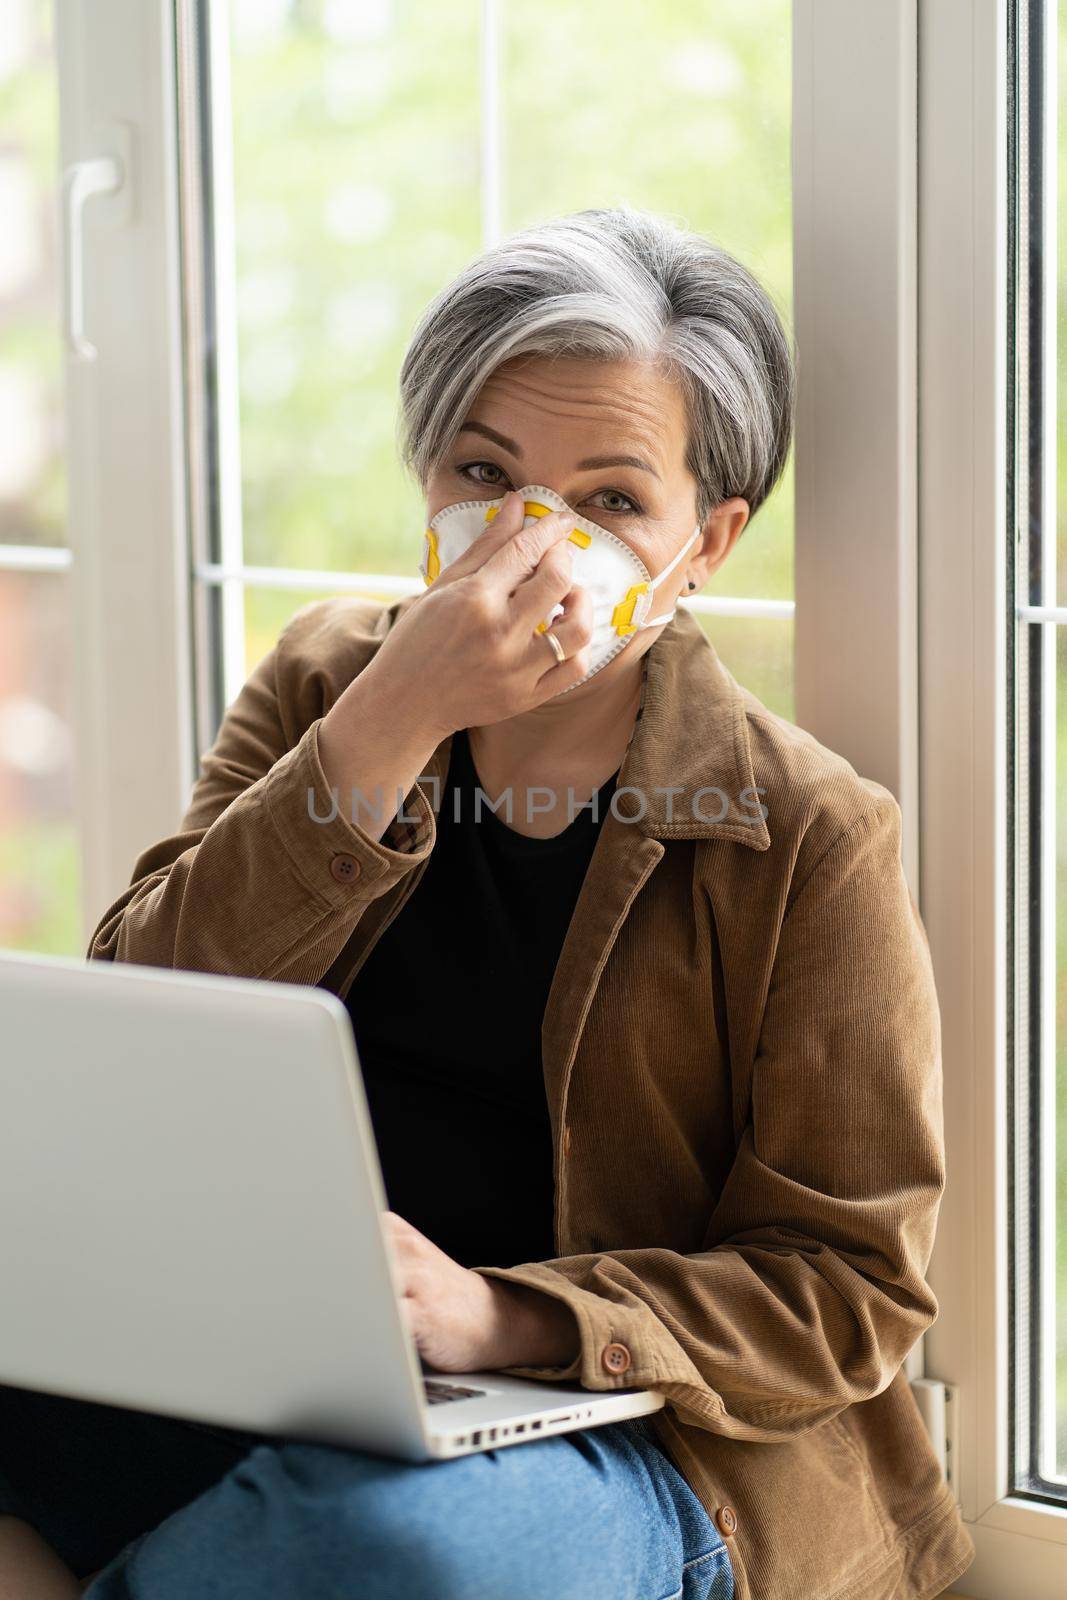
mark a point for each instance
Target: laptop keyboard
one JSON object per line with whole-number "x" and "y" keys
{"x": 437, "y": 1392}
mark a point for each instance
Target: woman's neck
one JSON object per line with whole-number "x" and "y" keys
{"x": 575, "y": 741}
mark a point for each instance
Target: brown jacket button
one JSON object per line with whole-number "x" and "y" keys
{"x": 726, "y": 1521}
{"x": 346, "y": 869}
{"x": 615, "y": 1357}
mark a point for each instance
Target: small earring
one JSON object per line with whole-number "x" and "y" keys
{"x": 692, "y": 585}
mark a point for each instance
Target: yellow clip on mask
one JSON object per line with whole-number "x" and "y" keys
{"x": 616, "y": 579}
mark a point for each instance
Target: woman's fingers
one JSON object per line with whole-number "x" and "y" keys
{"x": 506, "y": 526}
{"x": 507, "y": 552}
{"x": 539, "y": 596}
{"x": 503, "y": 526}
{"x": 471, "y": 638}
{"x": 534, "y": 596}
{"x": 519, "y": 554}
{"x": 537, "y": 563}
{"x": 574, "y": 631}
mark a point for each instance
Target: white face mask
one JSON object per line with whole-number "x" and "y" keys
{"x": 616, "y": 579}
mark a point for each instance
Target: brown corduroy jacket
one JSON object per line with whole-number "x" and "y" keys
{"x": 741, "y": 1053}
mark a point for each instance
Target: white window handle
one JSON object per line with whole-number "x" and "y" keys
{"x": 83, "y": 180}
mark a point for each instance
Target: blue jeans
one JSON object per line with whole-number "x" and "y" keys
{"x": 600, "y": 1514}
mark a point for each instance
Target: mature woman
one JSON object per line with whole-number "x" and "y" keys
{"x": 651, "y": 1049}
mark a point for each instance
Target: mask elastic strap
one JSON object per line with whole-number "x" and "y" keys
{"x": 654, "y": 622}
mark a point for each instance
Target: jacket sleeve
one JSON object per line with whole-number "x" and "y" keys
{"x": 809, "y": 1289}
{"x": 245, "y": 886}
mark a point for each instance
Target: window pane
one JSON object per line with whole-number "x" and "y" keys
{"x": 1060, "y": 269}
{"x": 39, "y": 891}
{"x": 1039, "y": 798}
{"x": 684, "y": 109}
{"x": 1056, "y": 1143}
{"x": 356, "y": 179}
{"x": 32, "y": 486}
{"x": 758, "y": 652}
{"x": 359, "y": 161}
{"x": 39, "y": 904}
{"x": 268, "y": 610}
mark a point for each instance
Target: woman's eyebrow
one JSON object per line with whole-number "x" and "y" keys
{"x": 595, "y": 463}
{"x": 590, "y": 464}
{"x": 497, "y": 438}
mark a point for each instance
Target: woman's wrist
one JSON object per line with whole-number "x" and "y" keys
{"x": 531, "y": 1328}
{"x": 372, "y": 751}
{"x": 374, "y": 717}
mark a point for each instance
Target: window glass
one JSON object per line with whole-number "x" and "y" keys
{"x": 1038, "y": 1109}
{"x": 370, "y": 163}
{"x": 38, "y": 852}
{"x": 32, "y": 487}
{"x": 268, "y": 610}
{"x": 683, "y": 109}
{"x": 39, "y": 888}
{"x": 1057, "y": 1187}
{"x": 356, "y": 190}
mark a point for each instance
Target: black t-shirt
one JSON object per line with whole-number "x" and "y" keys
{"x": 447, "y": 1012}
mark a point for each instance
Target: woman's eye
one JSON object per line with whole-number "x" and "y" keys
{"x": 490, "y": 476}
{"x": 475, "y": 469}
{"x": 615, "y": 500}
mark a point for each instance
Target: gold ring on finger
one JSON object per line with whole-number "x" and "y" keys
{"x": 556, "y": 646}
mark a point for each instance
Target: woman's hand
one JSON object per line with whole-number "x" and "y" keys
{"x": 468, "y": 646}
{"x": 462, "y": 1322}
{"x": 463, "y": 655}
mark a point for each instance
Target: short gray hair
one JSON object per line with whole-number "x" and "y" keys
{"x": 614, "y": 284}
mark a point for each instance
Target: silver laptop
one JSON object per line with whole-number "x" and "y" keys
{"x": 190, "y": 1220}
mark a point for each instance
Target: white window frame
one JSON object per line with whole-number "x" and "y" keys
{"x": 963, "y": 199}
{"x": 125, "y": 444}
{"x": 855, "y": 297}
{"x": 1021, "y": 1545}
{"x": 855, "y": 219}
{"x": 899, "y": 279}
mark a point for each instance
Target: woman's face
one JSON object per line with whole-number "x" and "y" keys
{"x": 610, "y": 438}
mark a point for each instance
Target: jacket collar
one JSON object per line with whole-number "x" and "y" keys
{"x": 690, "y": 758}
{"x": 688, "y": 767}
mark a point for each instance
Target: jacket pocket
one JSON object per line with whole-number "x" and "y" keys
{"x": 809, "y": 1526}
{"x": 878, "y": 1538}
